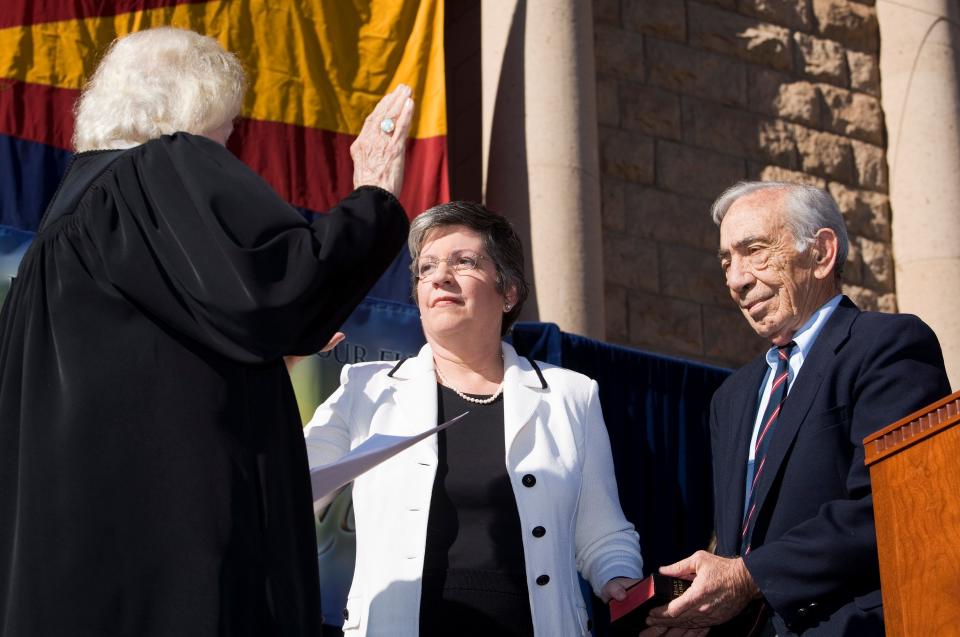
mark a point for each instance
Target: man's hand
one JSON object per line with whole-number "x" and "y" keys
{"x": 721, "y": 589}
{"x": 617, "y": 589}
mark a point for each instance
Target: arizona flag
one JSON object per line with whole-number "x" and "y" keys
{"x": 315, "y": 70}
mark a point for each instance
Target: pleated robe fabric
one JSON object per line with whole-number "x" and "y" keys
{"x": 153, "y": 476}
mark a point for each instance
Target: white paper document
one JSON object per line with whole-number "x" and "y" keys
{"x": 379, "y": 447}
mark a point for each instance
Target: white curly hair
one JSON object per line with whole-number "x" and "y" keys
{"x": 158, "y": 82}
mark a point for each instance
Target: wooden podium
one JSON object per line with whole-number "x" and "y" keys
{"x": 915, "y": 470}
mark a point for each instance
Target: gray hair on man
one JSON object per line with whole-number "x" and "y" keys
{"x": 499, "y": 240}
{"x": 158, "y": 82}
{"x": 808, "y": 209}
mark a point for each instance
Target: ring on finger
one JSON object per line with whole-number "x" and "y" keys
{"x": 387, "y": 125}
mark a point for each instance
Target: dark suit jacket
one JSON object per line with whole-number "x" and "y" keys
{"x": 814, "y": 551}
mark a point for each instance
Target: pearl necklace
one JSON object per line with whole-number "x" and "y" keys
{"x": 469, "y": 399}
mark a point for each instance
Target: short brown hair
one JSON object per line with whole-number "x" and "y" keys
{"x": 499, "y": 240}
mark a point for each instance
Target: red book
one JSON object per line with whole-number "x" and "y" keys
{"x": 651, "y": 592}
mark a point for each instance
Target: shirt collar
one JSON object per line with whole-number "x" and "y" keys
{"x": 807, "y": 334}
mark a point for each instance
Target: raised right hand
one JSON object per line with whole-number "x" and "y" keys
{"x": 378, "y": 157}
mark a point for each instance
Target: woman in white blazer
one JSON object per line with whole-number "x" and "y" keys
{"x": 481, "y": 529}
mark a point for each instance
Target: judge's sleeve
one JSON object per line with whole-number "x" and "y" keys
{"x": 203, "y": 245}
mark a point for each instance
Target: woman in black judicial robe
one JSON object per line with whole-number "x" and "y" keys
{"x": 153, "y": 477}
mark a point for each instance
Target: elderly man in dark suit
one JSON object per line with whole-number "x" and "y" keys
{"x": 794, "y": 509}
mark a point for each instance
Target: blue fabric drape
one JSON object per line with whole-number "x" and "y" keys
{"x": 657, "y": 414}
{"x": 657, "y": 411}
{"x": 29, "y": 175}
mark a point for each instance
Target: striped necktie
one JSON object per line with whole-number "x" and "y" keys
{"x": 778, "y": 394}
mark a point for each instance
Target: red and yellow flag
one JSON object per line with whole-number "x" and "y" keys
{"x": 315, "y": 70}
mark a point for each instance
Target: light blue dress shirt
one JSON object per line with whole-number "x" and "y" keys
{"x": 804, "y": 339}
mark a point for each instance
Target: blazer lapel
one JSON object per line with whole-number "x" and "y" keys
{"x": 804, "y": 391}
{"x": 415, "y": 392}
{"x": 522, "y": 389}
{"x": 734, "y": 468}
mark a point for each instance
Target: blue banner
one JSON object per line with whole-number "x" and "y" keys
{"x": 29, "y": 175}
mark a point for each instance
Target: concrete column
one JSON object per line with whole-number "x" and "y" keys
{"x": 920, "y": 78}
{"x": 540, "y": 165}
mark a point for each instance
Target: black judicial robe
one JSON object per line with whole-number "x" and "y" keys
{"x": 153, "y": 474}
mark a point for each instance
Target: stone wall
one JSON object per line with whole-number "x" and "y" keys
{"x": 695, "y": 95}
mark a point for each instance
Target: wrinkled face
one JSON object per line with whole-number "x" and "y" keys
{"x": 462, "y": 303}
{"x": 776, "y": 287}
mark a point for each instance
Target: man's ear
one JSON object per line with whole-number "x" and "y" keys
{"x": 824, "y": 252}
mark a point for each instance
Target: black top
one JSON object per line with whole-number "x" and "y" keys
{"x": 153, "y": 474}
{"x": 474, "y": 579}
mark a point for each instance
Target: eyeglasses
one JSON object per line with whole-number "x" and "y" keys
{"x": 459, "y": 261}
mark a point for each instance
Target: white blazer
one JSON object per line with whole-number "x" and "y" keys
{"x": 557, "y": 455}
